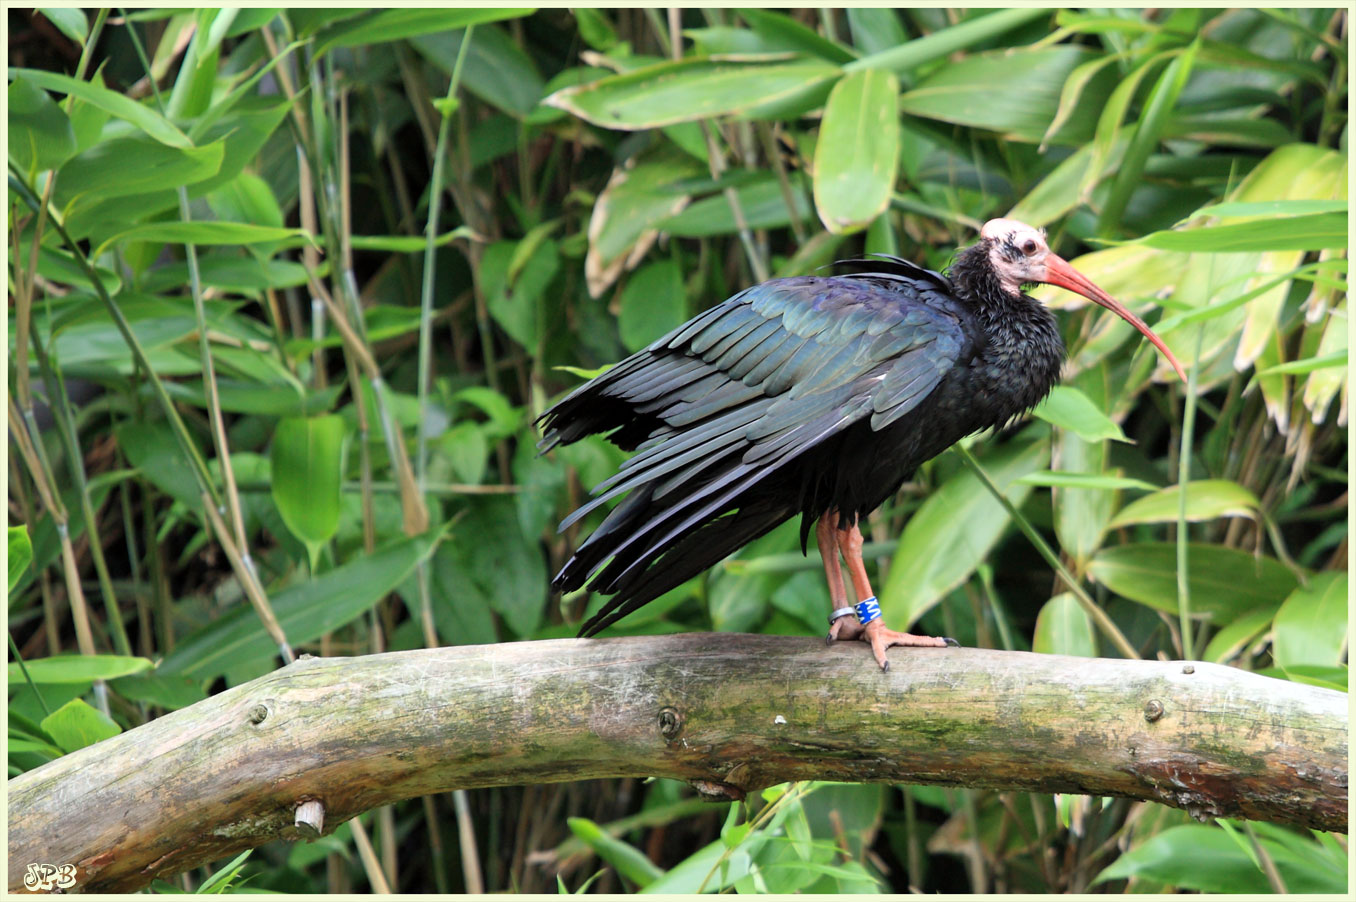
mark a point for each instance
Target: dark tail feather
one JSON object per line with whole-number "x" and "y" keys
{"x": 624, "y": 519}
{"x": 696, "y": 552}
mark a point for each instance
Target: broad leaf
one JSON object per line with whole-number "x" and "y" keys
{"x": 383, "y": 25}
{"x": 76, "y": 669}
{"x": 1206, "y": 500}
{"x": 40, "y": 132}
{"x": 688, "y": 90}
{"x": 1311, "y": 232}
{"x": 652, "y": 304}
{"x": 1012, "y": 92}
{"x": 1064, "y": 628}
{"x": 1223, "y": 582}
{"x": 857, "y": 150}
{"x": 307, "y": 459}
{"x": 75, "y": 725}
{"x": 1311, "y": 626}
{"x": 119, "y": 105}
{"x": 953, "y": 531}
{"x": 19, "y": 551}
{"x": 629, "y": 861}
{"x": 1195, "y": 857}
{"x": 1068, "y": 408}
{"x": 306, "y": 610}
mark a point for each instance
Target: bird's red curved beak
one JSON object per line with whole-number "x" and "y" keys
{"x": 1059, "y": 272}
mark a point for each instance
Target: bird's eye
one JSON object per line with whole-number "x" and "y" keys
{"x": 1030, "y": 247}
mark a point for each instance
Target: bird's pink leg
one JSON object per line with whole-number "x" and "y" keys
{"x": 850, "y": 544}
{"x": 825, "y": 531}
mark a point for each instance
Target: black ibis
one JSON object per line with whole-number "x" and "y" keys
{"x": 816, "y": 396}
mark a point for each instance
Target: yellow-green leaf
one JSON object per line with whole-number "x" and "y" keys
{"x": 1224, "y": 582}
{"x": 686, "y": 90}
{"x": 75, "y": 725}
{"x": 306, "y": 458}
{"x": 857, "y": 151}
{"x": 1311, "y": 626}
{"x": 949, "y": 535}
{"x": 143, "y": 117}
{"x": 1206, "y": 500}
{"x": 1068, "y": 408}
{"x": 19, "y": 549}
{"x": 1064, "y": 628}
{"x": 76, "y": 669}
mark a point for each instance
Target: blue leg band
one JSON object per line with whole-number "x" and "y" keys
{"x": 868, "y": 609}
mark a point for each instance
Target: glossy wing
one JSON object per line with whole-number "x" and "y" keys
{"x": 733, "y": 397}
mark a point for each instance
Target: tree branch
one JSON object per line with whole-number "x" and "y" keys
{"x": 729, "y": 713}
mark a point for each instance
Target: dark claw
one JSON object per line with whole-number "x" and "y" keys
{"x": 885, "y": 667}
{"x": 828, "y": 640}
{"x": 951, "y": 643}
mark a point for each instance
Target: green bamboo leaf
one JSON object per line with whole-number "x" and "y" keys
{"x": 517, "y": 306}
{"x": 495, "y": 68}
{"x": 595, "y": 29}
{"x": 171, "y": 692}
{"x": 1068, "y": 408}
{"x": 857, "y": 150}
{"x": 143, "y": 117}
{"x": 1237, "y": 634}
{"x": 653, "y": 303}
{"x": 207, "y": 233}
{"x": 1311, "y": 232}
{"x": 70, "y": 21}
{"x": 1070, "y": 94}
{"x": 1196, "y": 857}
{"x": 385, "y": 25}
{"x": 583, "y": 373}
{"x": 1271, "y": 208}
{"x": 19, "y": 551}
{"x": 975, "y": 30}
{"x": 1081, "y": 517}
{"x": 1311, "y": 626}
{"x": 134, "y": 174}
{"x": 1064, "y": 628}
{"x": 761, "y": 198}
{"x": 1157, "y": 110}
{"x": 466, "y": 449}
{"x": 307, "y": 470}
{"x": 75, "y": 669}
{"x": 75, "y": 725}
{"x": 1207, "y": 499}
{"x": 157, "y": 455}
{"x": 687, "y": 90}
{"x": 1066, "y": 480}
{"x": 629, "y": 861}
{"x": 639, "y": 195}
{"x": 1308, "y": 364}
{"x": 1013, "y": 92}
{"x": 306, "y": 610}
{"x": 788, "y": 33}
{"x": 875, "y": 29}
{"x": 953, "y": 530}
{"x": 406, "y": 244}
{"x": 40, "y": 133}
{"x": 1224, "y": 582}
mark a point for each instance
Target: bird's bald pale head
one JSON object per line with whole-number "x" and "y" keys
{"x": 1017, "y": 252}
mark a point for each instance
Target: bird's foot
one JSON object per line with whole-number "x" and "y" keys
{"x": 845, "y": 627}
{"x": 881, "y": 637}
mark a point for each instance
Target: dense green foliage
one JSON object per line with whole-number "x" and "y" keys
{"x": 284, "y": 311}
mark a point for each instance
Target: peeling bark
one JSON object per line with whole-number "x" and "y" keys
{"x": 728, "y": 713}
